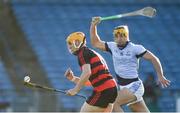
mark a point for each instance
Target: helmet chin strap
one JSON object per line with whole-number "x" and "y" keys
{"x": 77, "y": 47}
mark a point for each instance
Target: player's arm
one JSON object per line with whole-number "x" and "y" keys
{"x": 95, "y": 39}
{"x": 70, "y": 76}
{"x": 76, "y": 80}
{"x": 157, "y": 65}
{"x": 86, "y": 72}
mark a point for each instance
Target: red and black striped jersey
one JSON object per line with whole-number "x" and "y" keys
{"x": 100, "y": 77}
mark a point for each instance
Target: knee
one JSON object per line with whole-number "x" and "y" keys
{"x": 139, "y": 107}
{"x": 118, "y": 103}
{"x": 117, "y": 108}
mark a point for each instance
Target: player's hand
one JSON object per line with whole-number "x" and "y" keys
{"x": 69, "y": 74}
{"x": 163, "y": 81}
{"x": 96, "y": 20}
{"x": 71, "y": 92}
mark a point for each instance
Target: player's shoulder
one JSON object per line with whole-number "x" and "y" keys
{"x": 85, "y": 52}
{"x": 88, "y": 51}
{"x": 111, "y": 44}
{"x": 135, "y": 45}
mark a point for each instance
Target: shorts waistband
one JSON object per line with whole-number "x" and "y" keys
{"x": 125, "y": 81}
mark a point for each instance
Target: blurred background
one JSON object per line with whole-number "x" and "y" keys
{"x": 32, "y": 42}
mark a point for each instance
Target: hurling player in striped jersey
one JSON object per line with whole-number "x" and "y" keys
{"x": 95, "y": 72}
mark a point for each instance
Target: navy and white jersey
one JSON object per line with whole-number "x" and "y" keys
{"x": 126, "y": 59}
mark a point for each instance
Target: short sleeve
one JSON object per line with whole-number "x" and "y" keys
{"x": 109, "y": 46}
{"x": 140, "y": 51}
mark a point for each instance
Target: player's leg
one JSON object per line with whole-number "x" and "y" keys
{"x": 100, "y": 101}
{"x": 89, "y": 108}
{"x": 124, "y": 96}
{"x": 128, "y": 94}
{"x": 109, "y": 108}
{"x": 139, "y": 107}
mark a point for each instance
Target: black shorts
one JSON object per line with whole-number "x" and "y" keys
{"x": 102, "y": 99}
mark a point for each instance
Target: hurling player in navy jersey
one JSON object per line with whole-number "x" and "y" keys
{"x": 126, "y": 55}
{"x": 94, "y": 72}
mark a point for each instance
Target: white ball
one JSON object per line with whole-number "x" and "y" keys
{"x": 27, "y": 79}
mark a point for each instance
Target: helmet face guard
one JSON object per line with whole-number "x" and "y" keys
{"x": 75, "y": 41}
{"x": 122, "y": 30}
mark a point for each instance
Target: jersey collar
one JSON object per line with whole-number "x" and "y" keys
{"x": 122, "y": 47}
{"x": 78, "y": 51}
